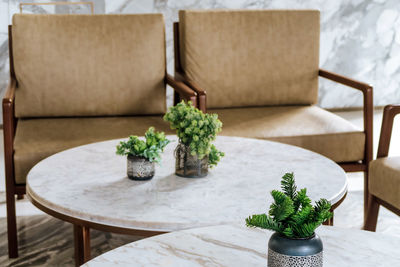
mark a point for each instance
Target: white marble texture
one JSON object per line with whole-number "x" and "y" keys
{"x": 90, "y": 183}
{"x": 359, "y": 38}
{"x": 236, "y": 245}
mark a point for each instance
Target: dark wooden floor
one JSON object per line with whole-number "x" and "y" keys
{"x": 46, "y": 241}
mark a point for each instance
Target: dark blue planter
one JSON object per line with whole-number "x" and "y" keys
{"x": 288, "y": 252}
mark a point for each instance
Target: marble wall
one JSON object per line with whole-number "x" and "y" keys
{"x": 359, "y": 38}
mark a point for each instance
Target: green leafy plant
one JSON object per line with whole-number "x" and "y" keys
{"x": 292, "y": 213}
{"x": 151, "y": 148}
{"x": 196, "y": 130}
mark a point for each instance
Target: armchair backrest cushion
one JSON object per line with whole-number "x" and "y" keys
{"x": 252, "y": 57}
{"x": 89, "y": 65}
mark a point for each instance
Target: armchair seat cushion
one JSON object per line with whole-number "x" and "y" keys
{"x": 309, "y": 127}
{"x": 37, "y": 139}
{"x": 384, "y": 179}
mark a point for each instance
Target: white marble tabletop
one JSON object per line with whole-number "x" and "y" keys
{"x": 90, "y": 183}
{"x": 236, "y": 245}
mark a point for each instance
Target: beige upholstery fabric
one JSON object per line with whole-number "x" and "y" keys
{"x": 37, "y": 139}
{"x": 89, "y": 65}
{"x": 309, "y": 127}
{"x": 384, "y": 179}
{"x": 252, "y": 57}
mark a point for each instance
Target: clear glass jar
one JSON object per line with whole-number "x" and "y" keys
{"x": 187, "y": 165}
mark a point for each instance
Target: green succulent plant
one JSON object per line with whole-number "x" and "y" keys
{"x": 196, "y": 130}
{"x": 150, "y": 148}
{"x": 292, "y": 213}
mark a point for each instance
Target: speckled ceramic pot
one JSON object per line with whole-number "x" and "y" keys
{"x": 300, "y": 252}
{"x": 140, "y": 168}
{"x": 189, "y": 166}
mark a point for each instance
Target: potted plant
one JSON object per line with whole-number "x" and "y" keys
{"x": 196, "y": 130}
{"x": 293, "y": 219}
{"x": 142, "y": 154}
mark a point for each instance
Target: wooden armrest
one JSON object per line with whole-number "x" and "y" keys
{"x": 10, "y": 91}
{"x": 201, "y": 93}
{"x": 368, "y": 106}
{"x": 182, "y": 78}
{"x": 345, "y": 80}
{"x": 9, "y": 124}
{"x": 389, "y": 113}
{"x": 184, "y": 91}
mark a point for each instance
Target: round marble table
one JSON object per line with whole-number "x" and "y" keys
{"x": 234, "y": 245}
{"x": 88, "y": 187}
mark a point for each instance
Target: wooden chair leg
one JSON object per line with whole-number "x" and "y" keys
{"x": 11, "y": 225}
{"x": 82, "y": 244}
{"x": 372, "y": 214}
{"x": 366, "y": 195}
{"x": 20, "y": 196}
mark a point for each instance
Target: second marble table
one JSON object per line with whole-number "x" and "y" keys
{"x": 88, "y": 187}
{"x": 236, "y": 245}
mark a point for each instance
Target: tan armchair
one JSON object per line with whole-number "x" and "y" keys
{"x": 384, "y": 173}
{"x": 259, "y": 69}
{"x": 77, "y": 79}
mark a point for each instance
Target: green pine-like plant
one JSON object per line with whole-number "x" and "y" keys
{"x": 196, "y": 130}
{"x": 150, "y": 148}
{"x": 292, "y": 213}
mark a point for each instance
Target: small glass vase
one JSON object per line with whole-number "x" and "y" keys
{"x": 187, "y": 165}
{"x": 140, "y": 168}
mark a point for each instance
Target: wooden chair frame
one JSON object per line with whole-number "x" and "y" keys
{"x": 9, "y": 127}
{"x": 389, "y": 113}
{"x": 366, "y": 89}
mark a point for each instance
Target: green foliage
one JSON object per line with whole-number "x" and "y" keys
{"x": 283, "y": 206}
{"x": 196, "y": 130}
{"x": 151, "y": 148}
{"x": 301, "y": 199}
{"x": 264, "y": 221}
{"x": 288, "y": 185}
{"x": 214, "y": 156}
{"x": 292, "y": 213}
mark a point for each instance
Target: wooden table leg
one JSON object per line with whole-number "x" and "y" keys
{"x": 82, "y": 244}
{"x": 330, "y": 221}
